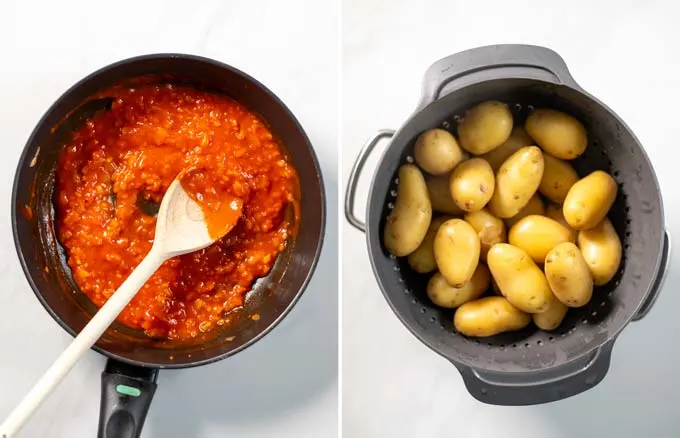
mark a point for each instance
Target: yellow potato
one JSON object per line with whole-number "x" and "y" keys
{"x": 518, "y": 138}
{"x": 409, "y": 220}
{"x": 472, "y": 184}
{"x": 537, "y": 235}
{"x": 554, "y": 212}
{"x": 438, "y": 188}
{"x": 552, "y": 317}
{"x": 558, "y": 177}
{"x": 589, "y": 200}
{"x": 422, "y": 259}
{"x": 485, "y": 127}
{"x": 557, "y": 133}
{"x": 568, "y": 275}
{"x": 516, "y": 182}
{"x": 437, "y": 152}
{"x": 519, "y": 279}
{"x": 489, "y": 316}
{"x": 534, "y": 206}
{"x": 601, "y": 249}
{"x": 456, "y": 250}
{"x": 489, "y": 228}
{"x": 443, "y": 294}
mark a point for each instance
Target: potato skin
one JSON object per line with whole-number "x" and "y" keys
{"x": 472, "y": 184}
{"x": 558, "y": 177}
{"x": 558, "y": 133}
{"x": 519, "y": 279}
{"x": 601, "y": 249}
{"x": 437, "y": 152}
{"x": 552, "y": 317}
{"x": 489, "y": 316}
{"x": 444, "y": 295}
{"x": 485, "y": 127}
{"x": 589, "y": 200}
{"x": 489, "y": 228}
{"x": 456, "y": 250}
{"x": 554, "y": 212}
{"x": 422, "y": 259}
{"x": 438, "y": 188}
{"x": 537, "y": 235}
{"x": 534, "y": 206}
{"x": 410, "y": 218}
{"x": 516, "y": 182}
{"x": 568, "y": 275}
{"x": 518, "y": 138}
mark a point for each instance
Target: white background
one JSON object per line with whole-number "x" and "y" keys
{"x": 286, "y": 384}
{"x": 624, "y": 52}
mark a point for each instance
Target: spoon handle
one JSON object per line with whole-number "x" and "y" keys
{"x": 82, "y": 343}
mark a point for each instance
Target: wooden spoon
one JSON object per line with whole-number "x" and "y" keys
{"x": 182, "y": 227}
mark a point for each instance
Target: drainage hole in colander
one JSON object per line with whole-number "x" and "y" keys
{"x": 551, "y": 338}
{"x": 393, "y": 193}
{"x": 390, "y": 205}
{"x": 400, "y": 280}
{"x": 594, "y": 313}
{"x": 628, "y": 233}
{"x": 514, "y": 345}
{"x": 409, "y": 159}
{"x": 518, "y": 106}
{"x": 456, "y": 118}
{"x": 527, "y": 345}
{"x": 396, "y": 268}
{"x": 530, "y": 107}
{"x": 626, "y": 246}
{"x": 446, "y": 125}
{"x": 423, "y": 310}
{"x": 539, "y": 343}
{"x": 477, "y": 342}
{"x": 616, "y": 173}
{"x": 433, "y": 319}
{"x": 627, "y": 221}
{"x": 602, "y": 304}
{"x": 414, "y": 301}
{"x": 584, "y": 320}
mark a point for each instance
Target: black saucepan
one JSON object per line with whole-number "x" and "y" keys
{"x": 529, "y": 366}
{"x": 129, "y": 380}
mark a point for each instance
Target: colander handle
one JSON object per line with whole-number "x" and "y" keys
{"x": 350, "y": 192}
{"x": 492, "y": 62}
{"x": 658, "y": 283}
{"x": 514, "y": 389}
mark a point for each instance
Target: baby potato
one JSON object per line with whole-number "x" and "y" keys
{"x": 601, "y": 249}
{"x": 589, "y": 200}
{"x": 516, "y": 182}
{"x": 489, "y": 228}
{"x": 552, "y": 317}
{"x": 554, "y": 212}
{"x": 557, "y": 133}
{"x": 519, "y": 279}
{"x": 438, "y": 188}
{"x": 409, "y": 220}
{"x": 558, "y": 177}
{"x": 422, "y": 259}
{"x": 456, "y": 250}
{"x": 568, "y": 275}
{"x": 489, "y": 316}
{"x": 437, "y": 152}
{"x": 534, "y": 206}
{"x": 537, "y": 235}
{"x": 518, "y": 138}
{"x": 443, "y": 294}
{"x": 485, "y": 127}
{"x": 472, "y": 184}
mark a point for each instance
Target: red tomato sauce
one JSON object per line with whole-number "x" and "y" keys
{"x": 129, "y": 155}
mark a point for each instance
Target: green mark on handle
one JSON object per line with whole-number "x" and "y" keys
{"x": 128, "y": 390}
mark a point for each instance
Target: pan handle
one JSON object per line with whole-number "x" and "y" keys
{"x": 658, "y": 283}
{"x": 127, "y": 391}
{"x": 555, "y": 384}
{"x": 350, "y": 192}
{"x": 490, "y": 62}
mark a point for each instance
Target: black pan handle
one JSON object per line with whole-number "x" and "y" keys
{"x": 127, "y": 392}
{"x": 492, "y": 62}
{"x": 350, "y": 192}
{"x": 513, "y": 389}
{"x": 660, "y": 278}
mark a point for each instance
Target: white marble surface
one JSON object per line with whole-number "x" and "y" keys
{"x": 624, "y": 52}
{"x": 286, "y": 384}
